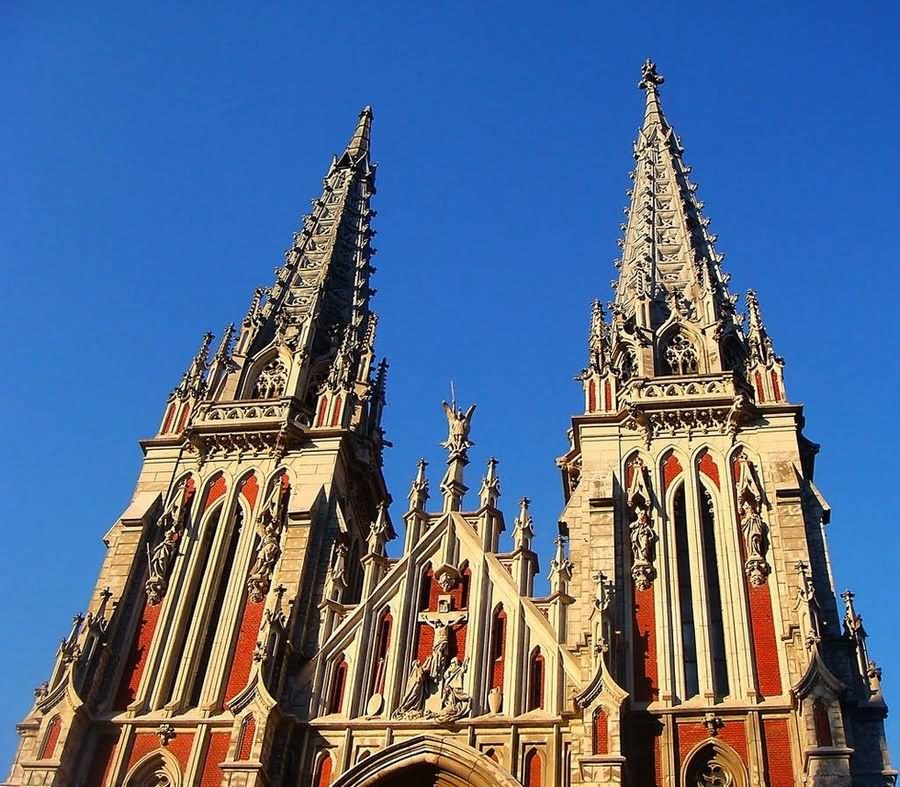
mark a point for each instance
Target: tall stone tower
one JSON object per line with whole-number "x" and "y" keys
{"x": 690, "y": 483}
{"x": 249, "y": 627}
{"x": 267, "y": 462}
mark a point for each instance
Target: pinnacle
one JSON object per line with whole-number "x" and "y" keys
{"x": 650, "y": 82}
{"x": 358, "y": 146}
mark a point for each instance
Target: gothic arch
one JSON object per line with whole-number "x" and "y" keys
{"x": 460, "y": 764}
{"x": 157, "y": 769}
{"x": 680, "y": 351}
{"x": 709, "y": 760}
{"x": 267, "y": 360}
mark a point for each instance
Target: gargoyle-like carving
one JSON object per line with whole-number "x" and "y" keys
{"x": 643, "y": 536}
{"x": 160, "y": 558}
{"x": 269, "y": 524}
{"x": 755, "y": 529}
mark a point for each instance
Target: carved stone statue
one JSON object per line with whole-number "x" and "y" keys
{"x": 161, "y": 557}
{"x": 643, "y": 540}
{"x": 459, "y": 422}
{"x": 410, "y": 706}
{"x": 269, "y": 522}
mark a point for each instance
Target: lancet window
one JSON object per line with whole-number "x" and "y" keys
{"x": 685, "y": 596}
{"x": 679, "y": 355}
{"x": 212, "y": 622}
{"x": 498, "y": 648}
{"x": 536, "y": 680}
{"x": 338, "y": 683}
{"x": 272, "y": 380}
{"x": 714, "y": 595}
{"x": 381, "y": 653}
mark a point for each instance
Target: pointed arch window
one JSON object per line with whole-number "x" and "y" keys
{"x": 601, "y": 732}
{"x": 532, "y": 775}
{"x": 822, "y": 724}
{"x": 685, "y": 595}
{"x": 536, "y": 680}
{"x": 48, "y": 747}
{"x": 712, "y": 766}
{"x": 211, "y": 625}
{"x": 322, "y": 775}
{"x": 382, "y": 645}
{"x": 272, "y": 380}
{"x": 680, "y": 355}
{"x": 338, "y": 683}
{"x": 714, "y": 595}
{"x": 498, "y": 647}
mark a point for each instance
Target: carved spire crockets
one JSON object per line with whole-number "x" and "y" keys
{"x": 193, "y": 381}
{"x": 869, "y": 671}
{"x": 489, "y": 495}
{"x": 523, "y": 526}
{"x": 765, "y": 369}
{"x": 672, "y": 314}
{"x": 308, "y": 339}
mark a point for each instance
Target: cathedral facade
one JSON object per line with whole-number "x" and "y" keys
{"x": 249, "y": 627}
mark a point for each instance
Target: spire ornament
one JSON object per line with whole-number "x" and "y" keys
{"x": 650, "y": 77}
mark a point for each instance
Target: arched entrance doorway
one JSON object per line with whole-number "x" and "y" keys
{"x": 426, "y": 761}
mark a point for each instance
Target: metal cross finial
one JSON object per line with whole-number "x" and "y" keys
{"x": 650, "y": 79}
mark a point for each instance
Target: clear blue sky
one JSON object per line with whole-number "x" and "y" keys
{"x": 156, "y": 159}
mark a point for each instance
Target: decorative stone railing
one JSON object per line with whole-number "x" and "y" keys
{"x": 706, "y": 387}
{"x": 234, "y": 413}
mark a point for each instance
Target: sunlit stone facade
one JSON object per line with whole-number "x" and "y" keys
{"x": 249, "y": 628}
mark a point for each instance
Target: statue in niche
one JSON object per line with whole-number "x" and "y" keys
{"x": 161, "y": 557}
{"x": 268, "y": 526}
{"x": 643, "y": 539}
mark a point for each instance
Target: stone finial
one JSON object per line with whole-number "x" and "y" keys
{"x": 490, "y": 485}
{"x": 650, "y": 77}
{"x": 418, "y": 493}
{"x": 561, "y": 567}
{"x": 523, "y": 530}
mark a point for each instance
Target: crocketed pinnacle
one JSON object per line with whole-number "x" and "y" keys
{"x": 668, "y": 259}
{"x": 358, "y": 146}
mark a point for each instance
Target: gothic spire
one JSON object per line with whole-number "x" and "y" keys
{"x": 669, "y": 266}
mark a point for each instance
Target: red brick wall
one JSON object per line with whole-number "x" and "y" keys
{"x": 709, "y": 468}
{"x": 765, "y": 648}
{"x": 607, "y": 396}
{"x": 214, "y": 491}
{"x": 646, "y": 686}
{"x": 734, "y": 733}
{"x": 137, "y": 656}
{"x": 533, "y": 771}
{"x": 146, "y": 742}
{"x": 671, "y": 470}
{"x": 322, "y": 777}
{"x": 760, "y": 393}
{"x": 242, "y": 658}
{"x": 601, "y": 732}
{"x": 245, "y": 741}
{"x": 775, "y": 386}
{"x": 777, "y": 740}
{"x": 592, "y": 397}
{"x": 48, "y": 749}
{"x": 250, "y": 489}
{"x": 216, "y": 753}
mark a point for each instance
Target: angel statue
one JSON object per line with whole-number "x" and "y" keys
{"x": 459, "y": 422}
